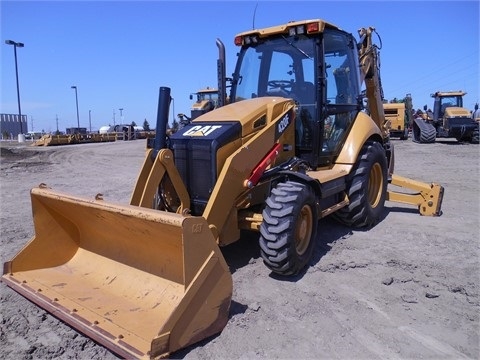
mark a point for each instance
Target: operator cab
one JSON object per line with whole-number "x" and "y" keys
{"x": 442, "y": 102}
{"x": 318, "y": 70}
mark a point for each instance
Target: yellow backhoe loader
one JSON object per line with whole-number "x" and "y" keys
{"x": 293, "y": 145}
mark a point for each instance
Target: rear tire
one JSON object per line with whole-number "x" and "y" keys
{"x": 423, "y": 132}
{"x": 289, "y": 228}
{"x": 366, "y": 188}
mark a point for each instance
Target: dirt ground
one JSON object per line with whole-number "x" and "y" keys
{"x": 408, "y": 288}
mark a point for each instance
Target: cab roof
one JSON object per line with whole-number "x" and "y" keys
{"x": 279, "y": 29}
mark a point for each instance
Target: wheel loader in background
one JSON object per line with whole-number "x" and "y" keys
{"x": 293, "y": 145}
{"x": 448, "y": 120}
{"x": 206, "y": 100}
{"x": 399, "y": 114}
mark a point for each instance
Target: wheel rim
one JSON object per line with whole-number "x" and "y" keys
{"x": 375, "y": 185}
{"x": 303, "y": 231}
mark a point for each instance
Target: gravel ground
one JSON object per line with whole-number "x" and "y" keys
{"x": 406, "y": 289}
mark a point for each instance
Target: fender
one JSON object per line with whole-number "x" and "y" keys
{"x": 364, "y": 128}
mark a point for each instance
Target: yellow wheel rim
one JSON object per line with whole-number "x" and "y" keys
{"x": 375, "y": 185}
{"x": 303, "y": 231}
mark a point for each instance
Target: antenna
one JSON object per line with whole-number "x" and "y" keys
{"x": 254, "y": 12}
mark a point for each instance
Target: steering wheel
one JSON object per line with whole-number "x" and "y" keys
{"x": 282, "y": 84}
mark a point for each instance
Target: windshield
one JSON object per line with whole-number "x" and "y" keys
{"x": 451, "y": 101}
{"x": 207, "y": 96}
{"x": 277, "y": 67}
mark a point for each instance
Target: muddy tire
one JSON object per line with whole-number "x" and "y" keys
{"x": 366, "y": 188}
{"x": 289, "y": 227}
{"x": 423, "y": 132}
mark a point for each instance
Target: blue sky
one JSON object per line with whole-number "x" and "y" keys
{"x": 118, "y": 53}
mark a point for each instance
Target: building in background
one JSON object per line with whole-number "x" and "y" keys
{"x": 10, "y": 125}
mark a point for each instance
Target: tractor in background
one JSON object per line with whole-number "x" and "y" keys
{"x": 449, "y": 119}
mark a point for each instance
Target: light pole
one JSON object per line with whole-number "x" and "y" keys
{"x": 90, "y": 119}
{"x": 76, "y": 100}
{"x": 121, "y": 115}
{"x": 15, "y": 45}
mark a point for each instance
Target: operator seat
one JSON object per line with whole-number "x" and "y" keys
{"x": 304, "y": 93}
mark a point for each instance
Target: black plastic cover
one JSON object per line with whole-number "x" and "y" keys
{"x": 195, "y": 149}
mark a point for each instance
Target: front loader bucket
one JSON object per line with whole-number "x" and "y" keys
{"x": 141, "y": 282}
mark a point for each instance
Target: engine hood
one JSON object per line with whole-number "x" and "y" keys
{"x": 452, "y": 112}
{"x": 252, "y": 114}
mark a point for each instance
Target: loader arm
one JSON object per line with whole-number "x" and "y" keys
{"x": 151, "y": 174}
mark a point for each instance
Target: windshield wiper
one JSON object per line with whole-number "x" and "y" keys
{"x": 297, "y": 48}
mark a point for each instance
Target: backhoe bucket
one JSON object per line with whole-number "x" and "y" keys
{"x": 141, "y": 282}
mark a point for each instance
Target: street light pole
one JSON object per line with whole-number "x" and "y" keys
{"x": 15, "y": 45}
{"x": 121, "y": 115}
{"x": 90, "y": 119}
{"x": 76, "y": 100}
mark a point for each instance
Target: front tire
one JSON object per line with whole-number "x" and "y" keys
{"x": 289, "y": 228}
{"x": 366, "y": 188}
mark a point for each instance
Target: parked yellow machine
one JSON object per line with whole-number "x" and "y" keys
{"x": 149, "y": 278}
{"x": 400, "y": 116}
{"x": 449, "y": 119}
{"x": 69, "y": 139}
{"x": 205, "y": 100}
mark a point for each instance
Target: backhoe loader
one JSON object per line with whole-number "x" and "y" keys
{"x": 293, "y": 145}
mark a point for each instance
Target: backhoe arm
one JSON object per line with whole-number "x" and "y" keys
{"x": 368, "y": 55}
{"x": 428, "y": 197}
